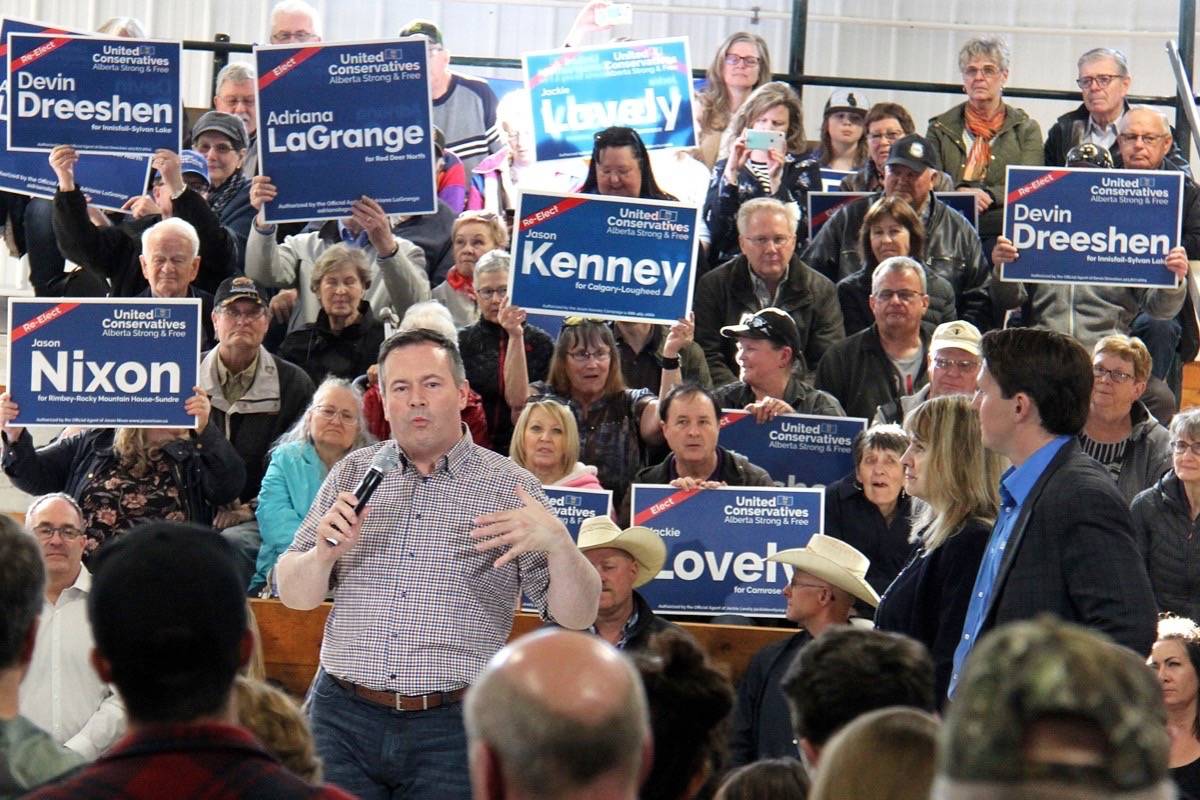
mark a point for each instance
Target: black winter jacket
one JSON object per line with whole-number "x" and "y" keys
{"x": 1169, "y": 542}
{"x": 321, "y": 352}
{"x": 484, "y": 346}
{"x": 854, "y": 292}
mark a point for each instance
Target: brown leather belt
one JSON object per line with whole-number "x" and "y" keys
{"x": 402, "y": 702}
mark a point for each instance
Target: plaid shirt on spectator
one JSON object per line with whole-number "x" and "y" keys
{"x": 210, "y": 761}
{"x": 416, "y": 609}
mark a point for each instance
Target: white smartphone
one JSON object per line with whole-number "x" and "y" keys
{"x": 615, "y": 14}
{"x": 764, "y": 140}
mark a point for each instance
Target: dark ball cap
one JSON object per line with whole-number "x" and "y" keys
{"x": 220, "y": 122}
{"x": 166, "y": 600}
{"x": 239, "y": 287}
{"x": 914, "y": 152}
{"x": 769, "y": 324}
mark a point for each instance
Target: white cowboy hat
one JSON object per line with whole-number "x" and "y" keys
{"x": 834, "y": 561}
{"x": 643, "y": 544}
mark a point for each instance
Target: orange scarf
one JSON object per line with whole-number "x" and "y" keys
{"x": 984, "y": 129}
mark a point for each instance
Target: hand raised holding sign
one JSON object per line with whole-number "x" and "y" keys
{"x": 200, "y": 407}
{"x": 63, "y": 160}
{"x": 1177, "y": 262}
{"x": 8, "y": 412}
{"x": 169, "y": 166}
{"x": 768, "y": 408}
{"x": 375, "y": 221}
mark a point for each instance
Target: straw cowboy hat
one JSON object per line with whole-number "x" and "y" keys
{"x": 833, "y": 561}
{"x": 642, "y": 544}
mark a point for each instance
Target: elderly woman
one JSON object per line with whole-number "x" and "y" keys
{"x": 1175, "y": 658}
{"x": 741, "y": 64}
{"x": 331, "y": 426}
{"x": 616, "y": 424}
{"x": 345, "y": 339}
{"x": 499, "y": 342}
{"x": 620, "y": 167}
{"x": 782, "y": 173}
{"x": 122, "y": 476}
{"x": 843, "y": 131}
{"x": 1120, "y": 432}
{"x": 978, "y": 139}
{"x": 885, "y": 123}
{"x": 222, "y": 139}
{"x": 869, "y": 509}
{"x": 1165, "y": 522}
{"x": 474, "y": 233}
{"x": 546, "y": 442}
{"x": 890, "y": 228}
{"x": 946, "y": 466}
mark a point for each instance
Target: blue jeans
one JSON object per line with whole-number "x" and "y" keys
{"x": 376, "y": 753}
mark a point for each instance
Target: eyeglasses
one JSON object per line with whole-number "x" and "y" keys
{"x": 584, "y": 356}
{"x": 750, "y": 61}
{"x": 244, "y": 316}
{"x": 763, "y": 241}
{"x": 961, "y": 365}
{"x": 330, "y": 413}
{"x": 1101, "y": 81}
{"x": 807, "y": 586}
{"x": 885, "y": 136}
{"x": 1179, "y": 447}
{"x": 1116, "y": 376}
{"x": 1148, "y": 138}
{"x": 69, "y": 533}
{"x": 987, "y": 71}
{"x": 222, "y": 148}
{"x": 905, "y": 296}
{"x": 282, "y": 37}
{"x": 488, "y": 294}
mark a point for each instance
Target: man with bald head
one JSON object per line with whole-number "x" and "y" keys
{"x": 558, "y": 714}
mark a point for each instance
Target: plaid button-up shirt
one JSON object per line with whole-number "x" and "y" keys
{"x": 415, "y": 608}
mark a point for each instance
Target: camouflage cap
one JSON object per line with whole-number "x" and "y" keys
{"x": 1046, "y": 669}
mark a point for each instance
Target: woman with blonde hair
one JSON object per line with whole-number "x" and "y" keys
{"x": 947, "y": 467}
{"x": 741, "y": 64}
{"x": 783, "y": 172}
{"x": 279, "y": 725}
{"x": 887, "y": 753}
{"x": 546, "y": 442}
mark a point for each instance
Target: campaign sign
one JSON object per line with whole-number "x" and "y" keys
{"x": 963, "y": 203}
{"x": 577, "y": 91}
{"x": 823, "y": 205}
{"x": 831, "y": 179}
{"x": 12, "y": 25}
{"x": 103, "y": 362}
{"x": 605, "y": 257}
{"x": 717, "y": 544}
{"x": 573, "y": 506}
{"x": 794, "y": 449}
{"x": 339, "y": 121}
{"x": 1092, "y": 226}
{"x": 96, "y": 94}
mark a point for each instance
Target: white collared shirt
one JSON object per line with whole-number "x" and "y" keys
{"x": 61, "y": 692}
{"x": 1104, "y": 137}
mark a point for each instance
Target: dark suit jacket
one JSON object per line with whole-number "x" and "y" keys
{"x": 1072, "y": 554}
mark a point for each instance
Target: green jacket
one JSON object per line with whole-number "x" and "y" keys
{"x": 1019, "y": 142}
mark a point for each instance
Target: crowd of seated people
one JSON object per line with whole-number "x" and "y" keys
{"x": 893, "y": 312}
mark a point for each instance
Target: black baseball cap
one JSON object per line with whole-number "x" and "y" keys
{"x": 236, "y": 288}
{"x": 914, "y": 152}
{"x": 770, "y": 324}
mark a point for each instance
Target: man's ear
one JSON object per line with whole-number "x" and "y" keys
{"x": 28, "y": 642}
{"x": 811, "y": 753}
{"x": 245, "y": 648}
{"x": 487, "y": 779}
{"x": 102, "y": 665}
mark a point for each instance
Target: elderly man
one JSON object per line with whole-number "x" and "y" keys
{"x": 174, "y": 669}
{"x": 235, "y": 95}
{"x": 547, "y": 689}
{"x": 952, "y": 247}
{"x": 768, "y": 273}
{"x": 464, "y": 108}
{"x": 179, "y": 189}
{"x": 28, "y": 756}
{"x": 771, "y": 380}
{"x": 887, "y": 360}
{"x": 1104, "y": 82}
{"x": 62, "y": 693}
{"x": 256, "y": 396}
{"x": 1091, "y": 312}
{"x": 827, "y": 576}
{"x": 423, "y": 600}
{"x": 294, "y": 22}
{"x": 398, "y": 277}
{"x": 691, "y": 418}
{"x": 1063, "y": 541}
{"x": 952, "y": 368}
{"x": 625, "y": 560}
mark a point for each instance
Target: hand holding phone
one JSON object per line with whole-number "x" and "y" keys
{"x": 615, "y": 14}
{"x": 764, "y": 140}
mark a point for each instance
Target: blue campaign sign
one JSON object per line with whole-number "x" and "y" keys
{"x": 823, "y": 205}
{"x": 605, "y": 257}
{"x": 573, "y": 506}
{"x": 577, "y": 91}
{"x": 717, "y": 544}
{"x": 103, "y": 362}
{"x": 96, "y": 94}
{"x": 13, "y": 25}
{"x": 963, "y": 203}
{"x": 794, "y": 449}
{"x": 1103, "y": 227}
{"x": 339, "y": 121}
{"x": 831, "y": 179}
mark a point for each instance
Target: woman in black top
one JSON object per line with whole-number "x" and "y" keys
{"x": 1175, "y": 658}
{"x": 948, "y": 468}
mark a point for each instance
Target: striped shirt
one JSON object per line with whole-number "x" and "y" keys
{"x": 466, "y": 113}
{"x": 415, "y": 608}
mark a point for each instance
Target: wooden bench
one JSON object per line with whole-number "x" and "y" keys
{"x": 291, "y": 641}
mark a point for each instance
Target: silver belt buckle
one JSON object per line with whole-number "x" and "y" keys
{"x": 397, "y": 697}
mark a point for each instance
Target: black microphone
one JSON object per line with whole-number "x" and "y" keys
{"x": 384, "y": 462}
